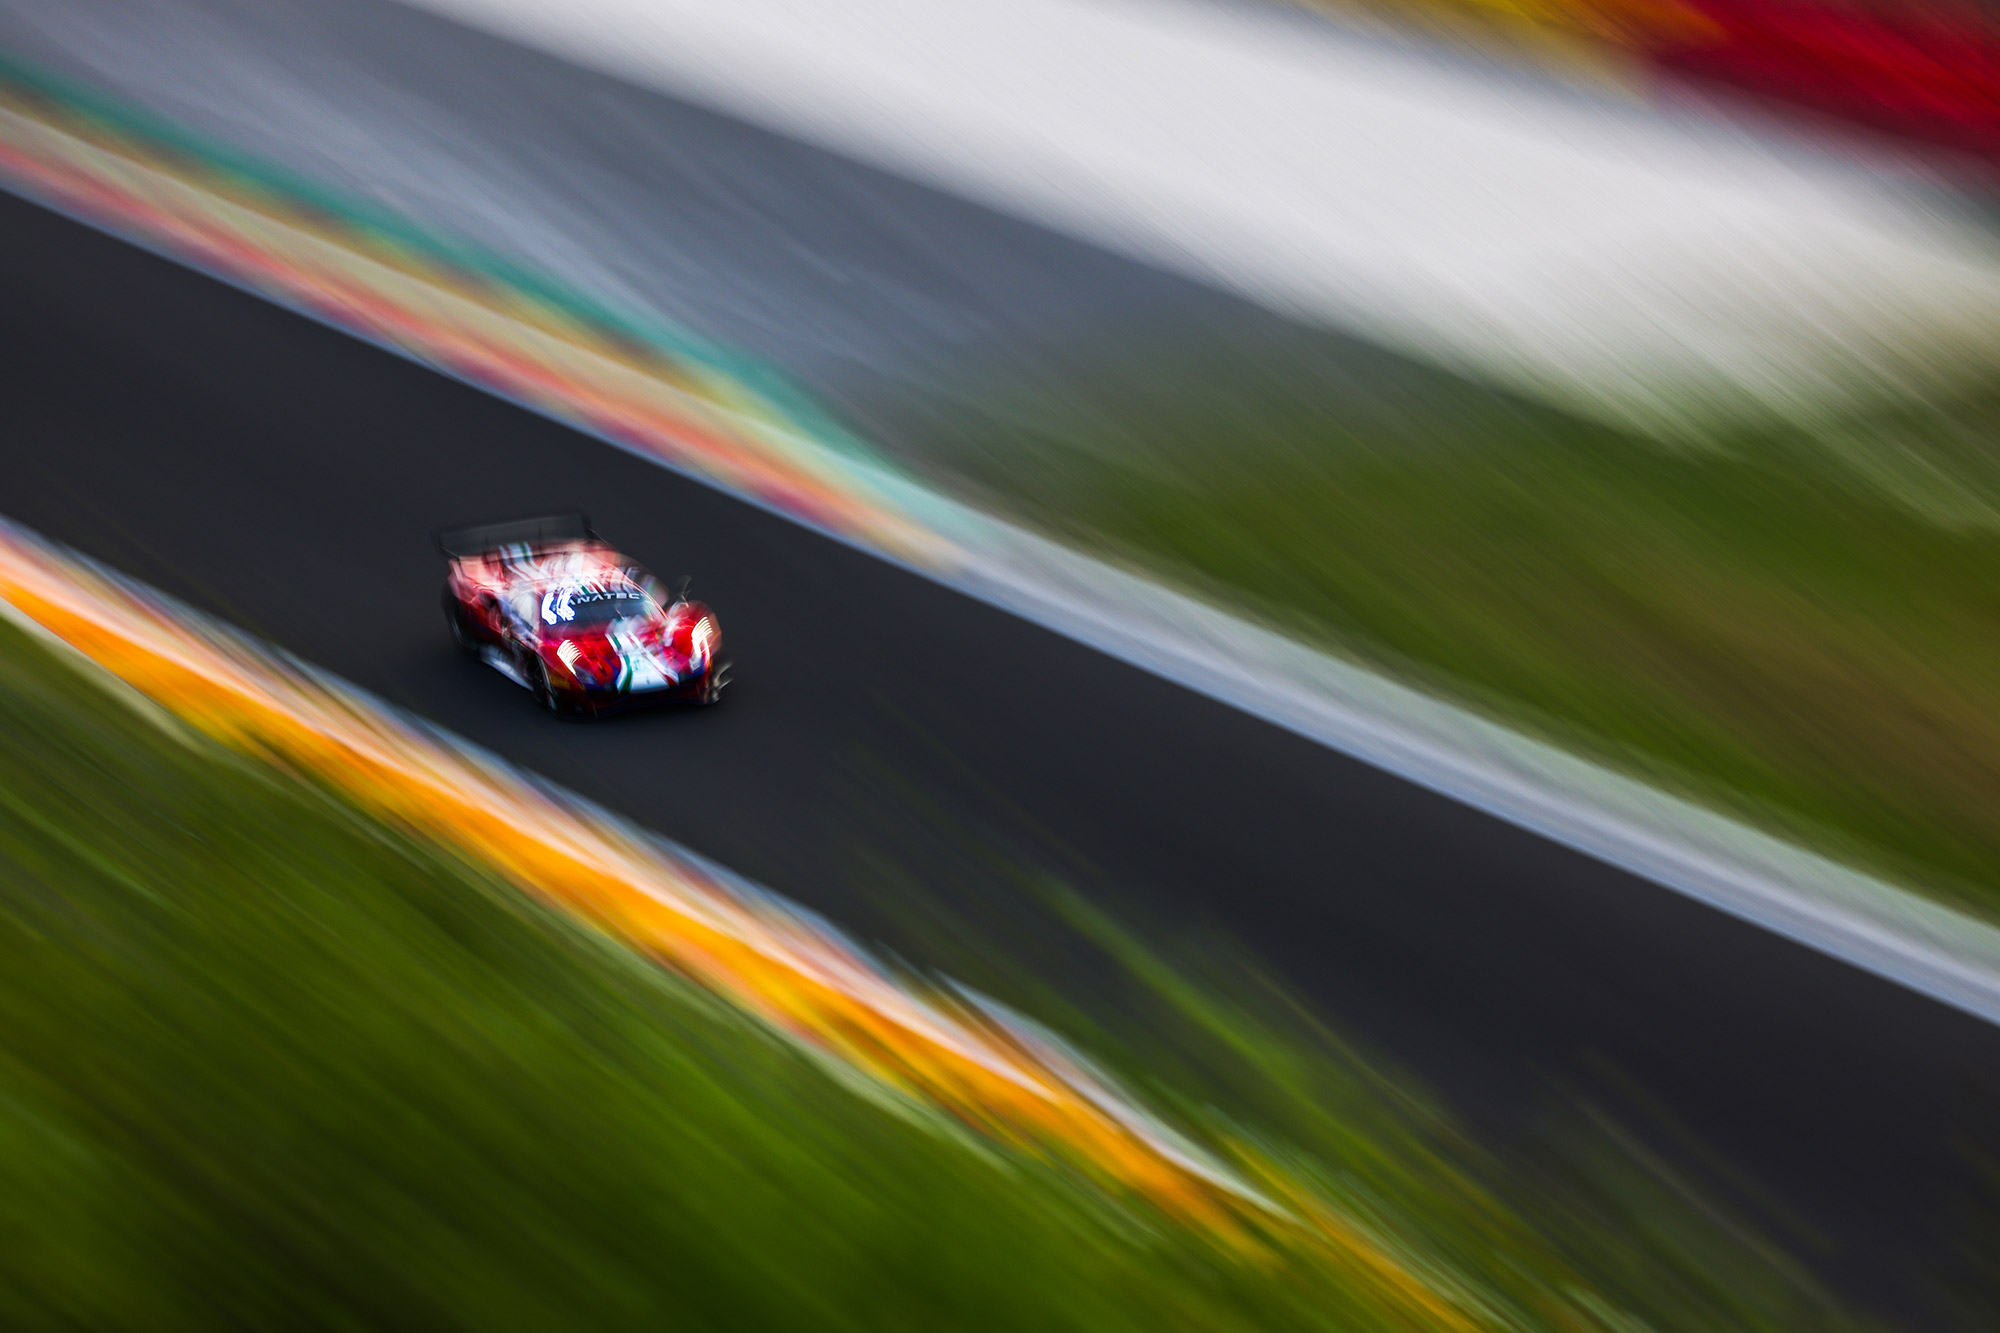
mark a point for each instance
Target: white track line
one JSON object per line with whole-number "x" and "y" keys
{"x": 1834, "y": 909}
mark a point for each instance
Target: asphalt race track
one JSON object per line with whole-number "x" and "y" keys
{"x": 286, "y": 476}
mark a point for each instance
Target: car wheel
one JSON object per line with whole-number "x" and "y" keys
{"x": 545, "y": 693}
{"x": 461, "y": 632}
{"x": 711, "y": 692}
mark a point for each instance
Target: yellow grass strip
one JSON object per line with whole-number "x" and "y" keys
{"x": 1600, "y": 43}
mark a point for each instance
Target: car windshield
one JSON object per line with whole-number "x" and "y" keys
{"x": 590, "y": 606}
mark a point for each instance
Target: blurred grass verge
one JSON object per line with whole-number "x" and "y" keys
{"x": 1796, "y": 623}
{"x": 269, "y": 1062}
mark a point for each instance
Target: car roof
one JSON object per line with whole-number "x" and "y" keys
{"x": 564, "y": 564}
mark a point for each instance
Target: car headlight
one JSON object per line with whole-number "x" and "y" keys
{"x": 577, "y": 664}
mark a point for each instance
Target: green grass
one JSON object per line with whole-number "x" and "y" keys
{"x": 265, "y": 1062}
{"x": 1799, "y": 627}
{"x": 1579, "y": 1197}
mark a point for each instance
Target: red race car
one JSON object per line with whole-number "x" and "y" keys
{"x": 549, "y": 605}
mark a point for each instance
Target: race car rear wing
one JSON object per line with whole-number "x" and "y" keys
{"x": 546, "y": 530}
